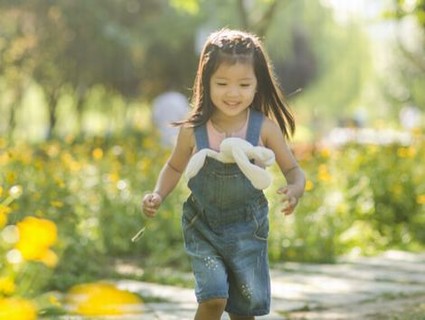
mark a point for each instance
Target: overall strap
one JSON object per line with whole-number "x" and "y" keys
{"x": 201, "y": 137}
{"x": 254, "y": 127}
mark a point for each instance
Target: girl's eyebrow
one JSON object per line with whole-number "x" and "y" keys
{"x": 241, "y": 79}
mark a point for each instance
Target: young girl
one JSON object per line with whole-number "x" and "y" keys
{"x": 225, "y": 219}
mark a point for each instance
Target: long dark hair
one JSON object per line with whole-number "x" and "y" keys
{"x": 233, "y": 46}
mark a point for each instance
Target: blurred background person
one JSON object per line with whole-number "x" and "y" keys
{"x": 169, "y": 107}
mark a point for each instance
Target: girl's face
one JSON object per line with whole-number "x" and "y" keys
{"x": 233, "y": 87}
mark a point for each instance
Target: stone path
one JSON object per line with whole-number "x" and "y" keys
{"x": 361, "y": 288}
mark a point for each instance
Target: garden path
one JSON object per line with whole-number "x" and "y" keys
{"x": 354, "y": 288}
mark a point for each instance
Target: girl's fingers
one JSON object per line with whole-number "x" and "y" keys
{"x": 288, "y": 200}
{"x": 152, "y": 200}
{"x": 289, "y": 205}
{"x": 287, "y": 209}
{"x": 150, "y": 204}
{"x": 282, "y": 190}
{"x": 150, "y": 212}
{"x": 283, "y": 193}
{"x": 285, "y": 205}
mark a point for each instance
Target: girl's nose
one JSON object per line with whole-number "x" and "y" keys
{"x": 233, "y": 91}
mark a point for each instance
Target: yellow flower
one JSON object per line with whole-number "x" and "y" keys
{"x": 11, "y": 177}
{"x": 70, "y": 162}
{"x": 309, "y": 185}
{"x": 3, "y": 219}
{"x": 1, "y": 191}
{"x": 5, "y": 209}
{"x": 406, "y": 152}
{"x": 35, "y": 238}
{"x": 417, "y": 132}
{"x": 3, "y": 143}
{"x": 102, "y": 299}
{"x": 17, "y": 309}
{"x": 59, "y": 182}
{"x": 25, "y": 156}
{"x": 49, "y": 258}
{"x": 412, "y": 151}
{"x": 7, "y": 285}
{"x": 372, "y": 149}
{"x": 113, "y": 177}
{"x": 97, "y": 154}
{"x": 323, "y": 173}
{"x": 54, "y": 300}
{"x": 420, "y": 199}
{"x": 4, "y": 158}
{"x": 56, "y": 203}
{"x": 325, "y": 152}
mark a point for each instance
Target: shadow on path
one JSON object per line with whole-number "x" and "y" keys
{"x": 389, "y": 286}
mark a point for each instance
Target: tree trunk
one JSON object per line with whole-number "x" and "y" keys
{"x": 80, "y": 97}
{"x": 14, "y": 106}
{"x": 52, "y": 99}
{"x": 260, "y": 26}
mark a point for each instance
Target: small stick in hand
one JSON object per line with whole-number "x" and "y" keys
{"x": 139, "y": 234}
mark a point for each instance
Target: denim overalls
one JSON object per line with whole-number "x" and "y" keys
{"x": 225, "y": 226}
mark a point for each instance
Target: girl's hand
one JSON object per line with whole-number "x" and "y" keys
{"x": 151, "y": 203}
{"x": 289, "y": 199}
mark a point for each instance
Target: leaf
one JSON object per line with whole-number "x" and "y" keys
{"x": 189, "y": 6}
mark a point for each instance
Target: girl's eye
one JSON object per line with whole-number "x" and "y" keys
{"x": 221, "y": 83}
{"x": 245, "y": 85}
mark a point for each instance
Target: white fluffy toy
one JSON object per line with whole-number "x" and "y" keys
{"x": 239, "y": 151}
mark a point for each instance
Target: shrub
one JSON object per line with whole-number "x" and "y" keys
{"x": 359, "y": 198}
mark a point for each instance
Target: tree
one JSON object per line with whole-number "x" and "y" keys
{"x": 123, "y": 46}
{"x": 16, "y": 45}
{"x": 135, "y": 49}
{"x": 77, "y": 45}
{"x": 411, "y": 68}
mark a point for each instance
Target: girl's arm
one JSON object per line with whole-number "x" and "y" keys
{"x": 274, "y": 139}
{"x": 171, "y": 172}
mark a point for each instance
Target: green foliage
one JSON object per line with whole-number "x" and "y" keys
{"x": 189, "y": 6}
{"x": 415, "y": 8}
{"x": 127, "y": 48}
{"x": 92, "y": 190}
{"x": 359, "y": 199}
{"x": 409, "y": 69}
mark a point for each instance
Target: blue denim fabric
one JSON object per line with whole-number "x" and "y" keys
{"x": 225, "y": 226}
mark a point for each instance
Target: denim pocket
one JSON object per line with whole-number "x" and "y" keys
{"x": 260, "y": 216}
{"x": 190, "y": 214}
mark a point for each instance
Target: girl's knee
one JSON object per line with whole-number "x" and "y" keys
{"x": 214, "y": 304}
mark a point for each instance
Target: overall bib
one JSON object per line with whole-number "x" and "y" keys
{"x": 225, "y": 227}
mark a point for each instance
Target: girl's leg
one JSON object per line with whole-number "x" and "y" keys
{"x": 211, "y": 309}
{"x": 235, "y": 317}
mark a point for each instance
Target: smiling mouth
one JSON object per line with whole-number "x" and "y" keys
{"x": 231, "y": 104}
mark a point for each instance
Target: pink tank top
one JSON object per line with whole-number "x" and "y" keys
{"x": 215, "y": 137}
